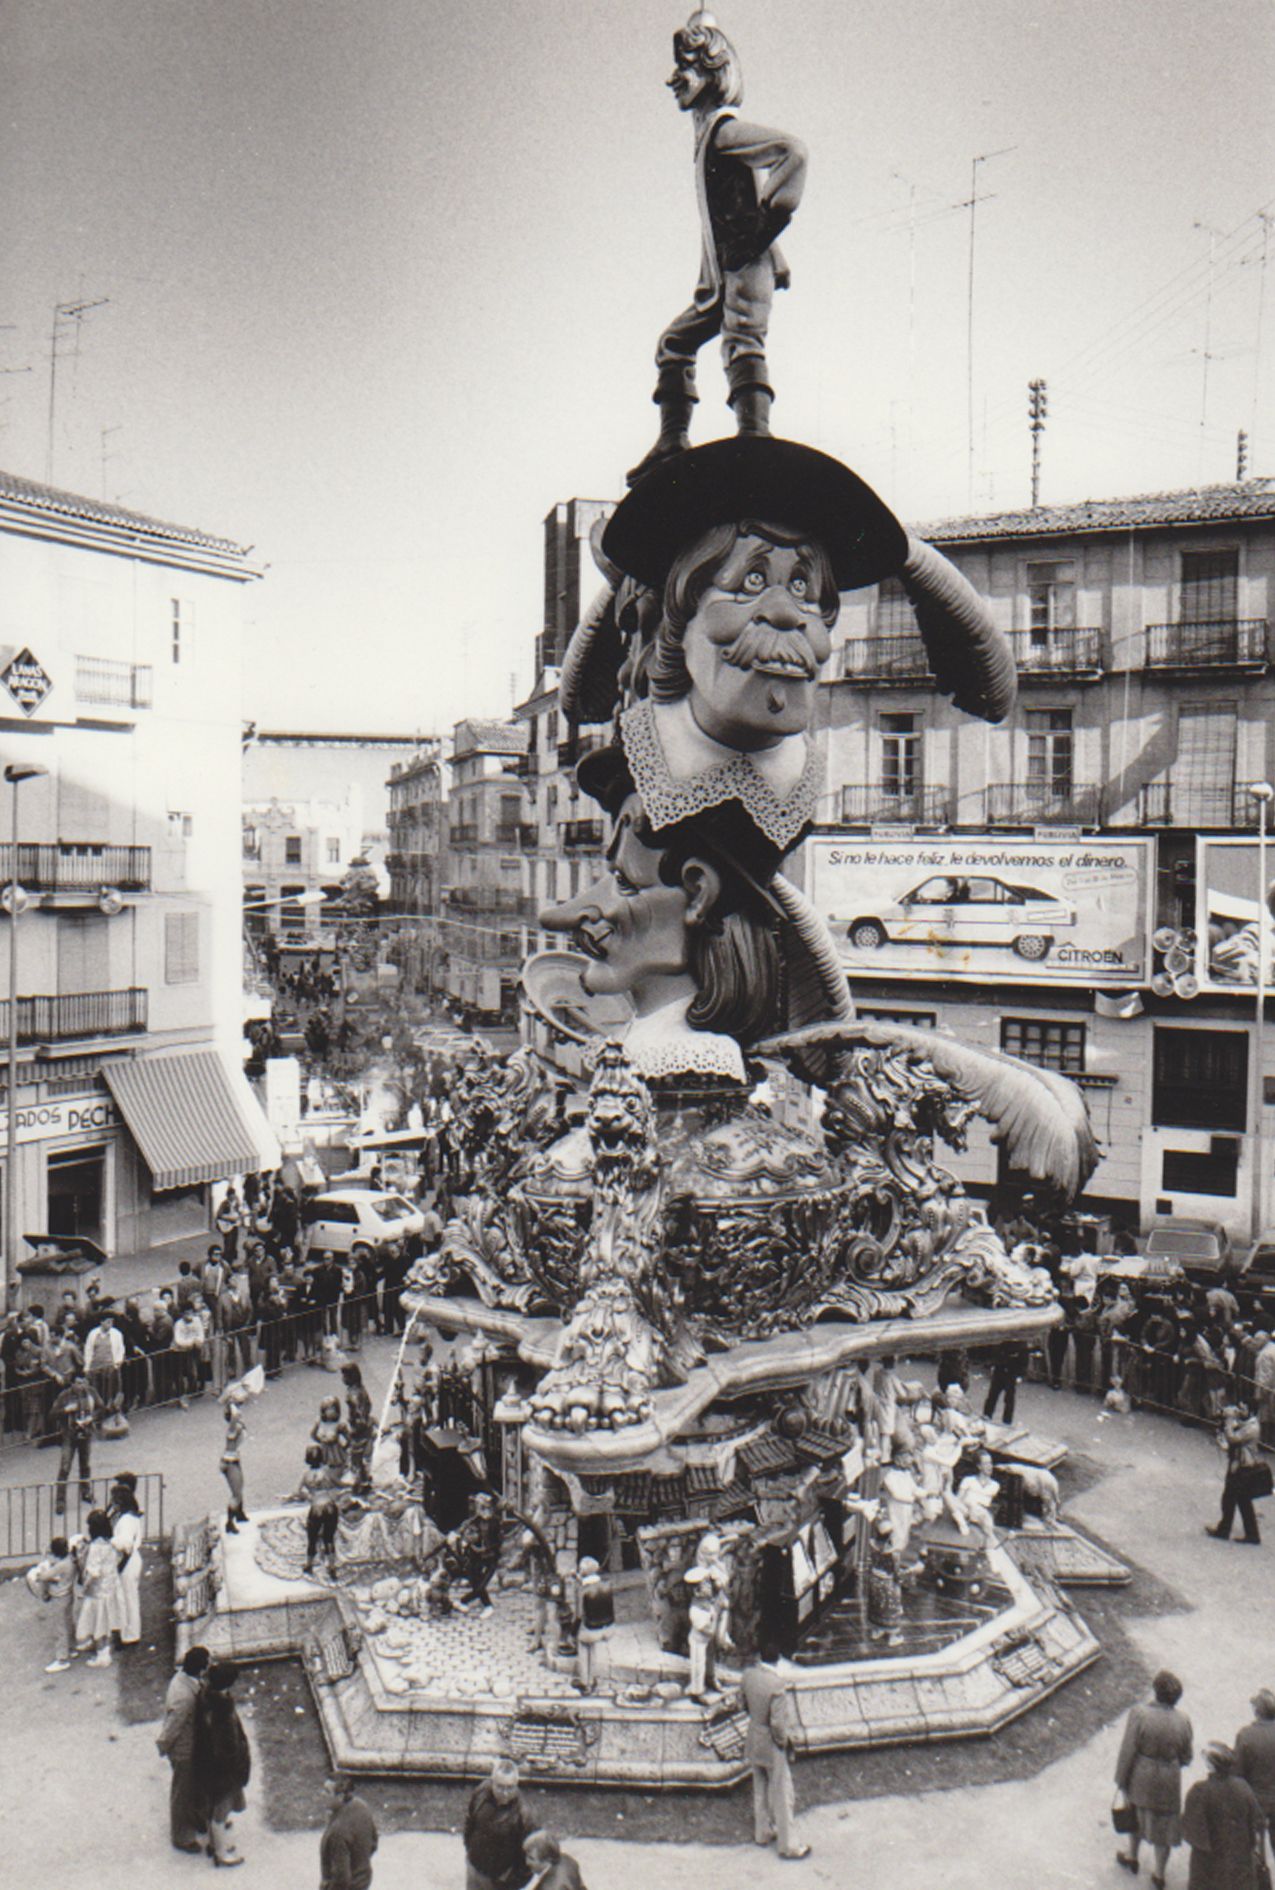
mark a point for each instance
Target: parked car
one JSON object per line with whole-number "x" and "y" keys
{"x": 966, "y": 909}
{"x": 1199, "y": 1247}
{"x": 1259, "y": 1262}
{"x": 350, "y": 1220}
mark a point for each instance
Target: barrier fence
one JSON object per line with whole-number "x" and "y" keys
{"x": 30, "y": 1516}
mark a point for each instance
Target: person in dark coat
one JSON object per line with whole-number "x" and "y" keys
{"x": 1222, "y": 1822}
{"x": 550, "y": 1866}
{"x": 349, "y": 1838}
{"x": 497, "y": 1826}
{"x": 1255, "y": 1755}
{"x": 221, "y": 1763}
{"x": 1157, "y": 1745}
{"x": 176, "y": 1741}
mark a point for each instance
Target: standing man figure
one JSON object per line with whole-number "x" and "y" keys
{"x": 75, "y": 1411}
{"x": 1255, "y": 1756}
{"x": 749, "y": 182}
{"x": 769, "y": 1751}
{"x": 175, "y": 1742}
{"x": 497, "y": 1826}
{"x": 349, "y": 1838}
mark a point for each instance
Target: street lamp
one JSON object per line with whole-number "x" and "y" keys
{"x": 16, "y": 772}
{"x": 1263, "y": 793}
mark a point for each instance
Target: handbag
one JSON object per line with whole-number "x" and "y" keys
{"x": 1252, "y": 1480}
{"x": 1124, "y": 1816}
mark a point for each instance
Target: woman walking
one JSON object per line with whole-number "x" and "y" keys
{"x": 100, "y": 1613}
{"x": 231, "y": 1462}
{"x": 126, "y": 1539}
{"x": 1247, "y": 1474}
{"x": 220, "y": 1763}
{"x": 1157, "y": 1745}
{"x": 1223, "y": 1825}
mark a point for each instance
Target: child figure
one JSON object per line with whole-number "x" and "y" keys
{"x": 977, "y": 1496}
{"x": 53, "y": 1579}
{"x": 331, "y": 1436}
{"x": 318, "y": 1489}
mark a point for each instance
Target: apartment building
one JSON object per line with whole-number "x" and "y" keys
{"x": 1082, "y": 885}
{"x": 417, "y": 844}
{"x": 484, "y": 907}
{"x": 120, "y": 732}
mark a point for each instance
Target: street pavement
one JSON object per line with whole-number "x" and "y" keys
{"x": 86, "y": 1792}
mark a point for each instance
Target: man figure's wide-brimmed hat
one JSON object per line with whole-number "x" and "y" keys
{"x": 768, "y": 481}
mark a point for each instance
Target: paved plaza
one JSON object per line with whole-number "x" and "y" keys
{"x": 87, "y": 1791}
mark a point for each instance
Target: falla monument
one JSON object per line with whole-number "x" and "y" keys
{"x": 689, "y": 1305}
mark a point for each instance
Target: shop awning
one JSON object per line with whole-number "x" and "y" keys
{"x": 192, "y": 1121}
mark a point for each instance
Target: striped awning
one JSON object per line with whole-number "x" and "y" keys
{"x": 190, "y": 1120}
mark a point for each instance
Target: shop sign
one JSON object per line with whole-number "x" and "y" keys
{"x": 27, "y": 681}
{"x": 63, "y": 1115}
{"x": 980, "y": 907}
{"x": 1233, "y": 895}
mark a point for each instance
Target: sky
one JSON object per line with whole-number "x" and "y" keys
{"x": 381, "y": 283}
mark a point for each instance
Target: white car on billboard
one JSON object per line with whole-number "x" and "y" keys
{"x": 965, "y": 909}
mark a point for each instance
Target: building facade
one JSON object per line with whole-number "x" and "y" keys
{"x": 1080, "y": 885}
{"x": 291, "y": 851}
{"x": 120, "y": 714}
{"x": 484, "y": 906}
{"x": 417, "y": 845}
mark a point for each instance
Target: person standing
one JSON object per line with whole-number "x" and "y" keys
{"x": 231, "y": 1460}
{"x": 186, "y": 1821}
{"x": 349, "y": 1838}
{"x": 1008, "y": 1366}
{"x": 361, "y": 1425}
{"x": 1255, "y": 1756}
{"x": 221, "y": 1762}
{"x": 497, "y": 1826}
{"x": 126, "y": 1537}
{"x": 53, "y": 1579}
{"x": 99, "y": 1615}
{"x": 1246, "y": 1469}
{"x": 1157, "y": 1745}
{"x": 75, "y": 1411}
{"x": 768, "y": 1748}
{"x": 1222, "y": 1823}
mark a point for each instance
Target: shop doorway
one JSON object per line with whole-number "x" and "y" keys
{"x": 77, "y": 1192}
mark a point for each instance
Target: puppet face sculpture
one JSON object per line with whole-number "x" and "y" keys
{"x": 756, "y": 640}
{"x": 630, "y": 925}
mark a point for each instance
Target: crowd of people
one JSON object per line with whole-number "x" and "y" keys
{"x": 1227, "y": 1815}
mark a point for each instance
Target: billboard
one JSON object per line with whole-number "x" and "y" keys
{"x": 1228, "y": 886}
{"x": 977, "y": 907}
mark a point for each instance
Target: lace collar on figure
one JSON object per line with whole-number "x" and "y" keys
{"x": 680, "y": 771}
{"x": 663, "y": 1044}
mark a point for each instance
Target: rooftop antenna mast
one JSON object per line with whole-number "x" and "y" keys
{"x": 1037, "y": 409}
{"x": 1207, "y": 350}
{"x": 63, "y": 313}
{"x": 984, "y": 157}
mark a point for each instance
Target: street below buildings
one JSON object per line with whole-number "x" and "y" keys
{"x": 1030, "y": 1806}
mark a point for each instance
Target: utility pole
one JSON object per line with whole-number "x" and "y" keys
{"x": 63, "y": 312}
{"x": 1207, "y": 352}
{"x": 1037, "y": 408}
{"x": 984, "y": 157}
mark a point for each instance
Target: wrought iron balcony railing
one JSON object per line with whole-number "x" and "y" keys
{"x": 1241, "y": 641}
{"x": 580, "y": 833}
{"x": 1040, "y": 803}
{"x": 1069, "y": 652}
{"x": 927, "y": 806}
{"x": 98, "y": 679}
{"x": 76, "y": 1014}
{"x": 74, "y": 866}
{"x": 885, "y": 659}
{"x": 1167, "y": 804}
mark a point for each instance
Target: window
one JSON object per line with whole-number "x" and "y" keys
{"x": 181, "y": 948}
{"x": 292, "y": 850}
{"x": 914, "y": 1020}
{"x": 1039, "y": 1040}
{"x": 251, "y": 848}
{"x": 900, "y": 756}
{"x": 181, "y": 627}
{"x": 893, "y": 616}
{"x": 1051, "y": 599}
{"x": 1049, "y": 752}
{"x": 291, "y": 914}
{"x": 1210, "y": 586}
{"x": 1211, "y": 1171}
{"x": 180, "y": 826}
{"x": 1200, "y": 1080}
{"x": 334, "y": 852}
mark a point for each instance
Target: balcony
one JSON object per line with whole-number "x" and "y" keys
{"x": 922, "y": 806}
{"x": 528, "y": 836}
{"x": 506, "y": 833}
{"x": 527, "y": 767}
{"x": 72, "y": 866}
{"x": 77, "y": 1014}
{"x": 890, "y": 659}
{"x": 463, "y": 836}
{"x": 577, "y": 746}
{"x": 1167, "y": 804}
{"x": 1041, "y": 804}
{"x": 573, "y": 834}
{"x": 1234, "y": 642}
{"x": 113, "y": 685}
{"x": 1066, "y": 654}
